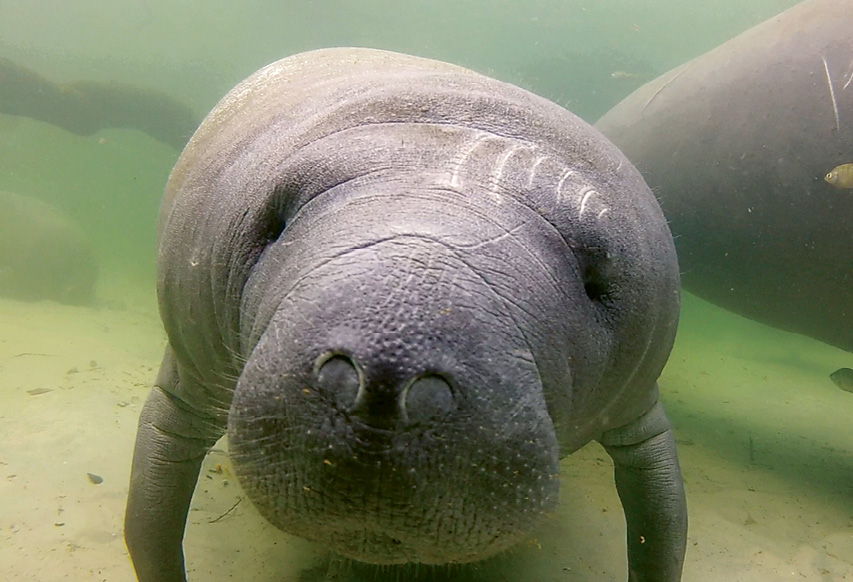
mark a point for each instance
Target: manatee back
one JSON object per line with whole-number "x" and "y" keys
{"x": 736, "y": 144}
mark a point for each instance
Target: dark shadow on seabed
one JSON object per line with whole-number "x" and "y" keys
{"x": 760, "y": 401}
{"x": 799, "y": 459}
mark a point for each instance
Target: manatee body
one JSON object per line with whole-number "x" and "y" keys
{"x": 43, "y": 253}
{"x": 406, "y": 290}
{"x": 735, "y": 144}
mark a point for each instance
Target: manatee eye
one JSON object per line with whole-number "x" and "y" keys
{"x": 427, "y": 397}
{"x": 594, "y": 264}
{"x": 338, "y": 378}
{"x": 594, "y": 285}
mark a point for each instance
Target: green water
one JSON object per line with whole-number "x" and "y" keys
{"x": 765, "y": 438}
{"x": 196, "y": 51}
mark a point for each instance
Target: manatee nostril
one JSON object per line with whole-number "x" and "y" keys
{"x": 427, "y": 397}
{"x": 338, "y": 377}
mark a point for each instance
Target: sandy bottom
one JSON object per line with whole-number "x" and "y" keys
{"x": 766, "y": 445}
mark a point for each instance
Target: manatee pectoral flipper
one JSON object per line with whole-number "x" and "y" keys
{"x": 170, "y": 446}
{"x": 648, "y": 479}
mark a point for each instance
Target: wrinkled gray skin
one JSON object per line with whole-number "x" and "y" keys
{"x": 44, "y": 254}
{"x": 407, "y": 290}
{"x": 735, "y": 145}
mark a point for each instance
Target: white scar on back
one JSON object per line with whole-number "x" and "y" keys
{"x": 589, "y": 193}
{"x": 832, "y": 94}
{"x": 502, "y": 161}
{"x": 455, "y": 181}
{"x": 539, "y": 160}
{"x": 849, "y": 77}
{"x": 560, "y": 183}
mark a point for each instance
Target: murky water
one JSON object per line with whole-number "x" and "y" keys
{"x": 764, "y": 436}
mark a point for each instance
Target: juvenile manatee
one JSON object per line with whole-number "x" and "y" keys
{"x": 735, "y": 144}
{"x": 43, "y": 253}
{"x": 406, "y": 290}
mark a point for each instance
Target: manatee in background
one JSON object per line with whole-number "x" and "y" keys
{"x": 43, "y": 253}
{"x": 735, "y": 144}
{"x": 86, "y": 107}
{"x": 406, "y": 291}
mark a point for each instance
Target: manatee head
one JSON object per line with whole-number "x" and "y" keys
{"x": 391, "y": 407}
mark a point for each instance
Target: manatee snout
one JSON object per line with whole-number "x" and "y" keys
{"x": 384, "y": 414}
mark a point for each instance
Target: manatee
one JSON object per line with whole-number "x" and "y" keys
{"x": 86, "y": 107}
{"x": 405, "y": 291}
{"x": 44, "y": 254}
{"x": 735, "y": 144}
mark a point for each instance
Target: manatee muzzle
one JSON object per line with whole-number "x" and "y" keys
{"x": 394, "y": 418}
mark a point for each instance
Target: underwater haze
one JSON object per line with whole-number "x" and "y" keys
{"x": 96, "y": 101}
{"x": 585, "y": 56}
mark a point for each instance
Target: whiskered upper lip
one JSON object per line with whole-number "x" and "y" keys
{"x": 403, "y": 536}
{"x": 340, "y": 498}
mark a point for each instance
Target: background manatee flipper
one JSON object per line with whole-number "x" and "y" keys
{"x": 735, "y": 144}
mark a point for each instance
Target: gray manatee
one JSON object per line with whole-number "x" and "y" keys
{"x": 44, "y": 254}
{"x": 86, "y": 107}
{"x": 406, "y": 290}
{"x": 735, "y": 144}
